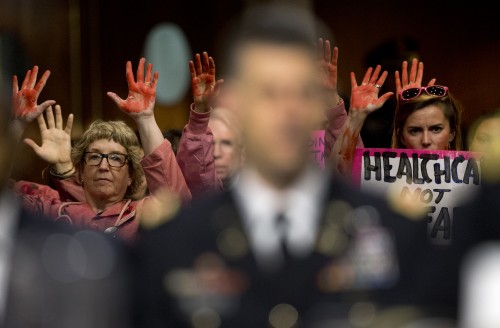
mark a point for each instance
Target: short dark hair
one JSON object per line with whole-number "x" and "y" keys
{"x": 277, "y": 23}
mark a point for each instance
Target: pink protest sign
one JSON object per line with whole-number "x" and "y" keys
{"x": 439, "y": 180}
{"x": 317, "y": 148}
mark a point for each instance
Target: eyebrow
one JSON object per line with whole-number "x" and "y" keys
{"x": 419, "y": 127}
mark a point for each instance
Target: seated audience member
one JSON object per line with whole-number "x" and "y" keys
{"x": 483, "y": 134}
{"x": 51, "y": 275}
{"x": 428, "y": 117}
{"x": 108, "y": 161}
{"x": 196, "y": 147}
{"x": 288, "y": 245}
{"x": 228, "y": 151}
{"x": 484, "y": 137}
{"x": 73, "y": 191}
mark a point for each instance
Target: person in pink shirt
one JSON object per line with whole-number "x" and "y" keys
{"x": 211, "y": 147}
{"x": 108, "y": 161}
{"x": 426, "y": 117}
{"x": 195, "y": 154}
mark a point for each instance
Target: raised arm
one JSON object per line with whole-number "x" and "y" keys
{"x": 140, "y": 103}
{"x": 159, "y": 162}
{"x": 204, "y": 84}
{"x": 55, "y": 148}
{"x": 364, "y": 100}
{"x": 195, "y": 151}
{"x": 335, "y": 107}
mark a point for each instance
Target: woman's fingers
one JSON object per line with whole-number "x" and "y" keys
{"x": 69, "y": 124}
{"x": 50, "y": 117}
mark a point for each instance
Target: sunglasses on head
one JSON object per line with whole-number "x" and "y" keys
{"x": 432, "y": 90}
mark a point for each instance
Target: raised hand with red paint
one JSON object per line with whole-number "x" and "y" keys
{"x": 364, "y": 100}
{"x": 364, "y": 97}
{"x": 25, "y": 100}
{"x": 141, "y": 93}
{"x": 140, "y": 104}
{"x": 328, "y": 70}
{"x": 203, "y": 82}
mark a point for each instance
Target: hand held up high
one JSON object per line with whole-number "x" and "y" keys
{"x": 25, "y": 100}
{"x": 328, "y": 66}
{"x": 141, "y": 93}
{"x": 364, "y": 97}
{"x": 140, "y": 104}
{"x": 204, "y": 85}
{"x": 56, "y": 139}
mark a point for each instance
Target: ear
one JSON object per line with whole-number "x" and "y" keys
{"x": 79, "y": 174}
{"x": 452, "y": 136}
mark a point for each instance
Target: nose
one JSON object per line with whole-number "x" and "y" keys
{"x": 104, "y": 165}
{"x": 426, "y": 139}
{"x": 217, "y": 151}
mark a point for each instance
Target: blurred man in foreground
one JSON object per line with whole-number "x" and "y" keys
{"x": 288, "y": 245}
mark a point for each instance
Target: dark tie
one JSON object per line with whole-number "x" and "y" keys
{"x": 282, "y": 227}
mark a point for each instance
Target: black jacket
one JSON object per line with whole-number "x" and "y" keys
{"x": 182, "y": 264}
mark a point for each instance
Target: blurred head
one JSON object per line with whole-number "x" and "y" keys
{"x": 484, "y": 133}
{"x": 428, "y": 122}
{"x": 228, "y": 149}
{"x": 104, "y": 181}
{"x": 274, "y": 87}
{"x": 484, "y": 138}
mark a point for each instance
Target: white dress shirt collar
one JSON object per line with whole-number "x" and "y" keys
{"x": 301, "y": 203}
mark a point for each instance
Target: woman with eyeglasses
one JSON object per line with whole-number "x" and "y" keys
{"x": 426, "y": 117}
{"x": 108, "y": 161}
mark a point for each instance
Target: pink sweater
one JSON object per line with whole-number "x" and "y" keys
{"x": 68, "y": 204}
{"x": 195, "y": 152}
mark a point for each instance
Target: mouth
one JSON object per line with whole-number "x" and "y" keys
{"x": 220, "y": 168}
{"x": 102, "y": 179}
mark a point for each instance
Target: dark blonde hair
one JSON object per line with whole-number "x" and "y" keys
{"x": 231, "y": 121}
{"x": 452, "y": 109}
{"x": 119, "y": 132}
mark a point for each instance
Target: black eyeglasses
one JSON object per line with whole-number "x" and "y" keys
{"x": 114, "y": 159}
{"x": 432, "y": 90}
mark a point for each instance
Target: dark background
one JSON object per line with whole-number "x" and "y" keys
{"x": 85, "y": 44}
